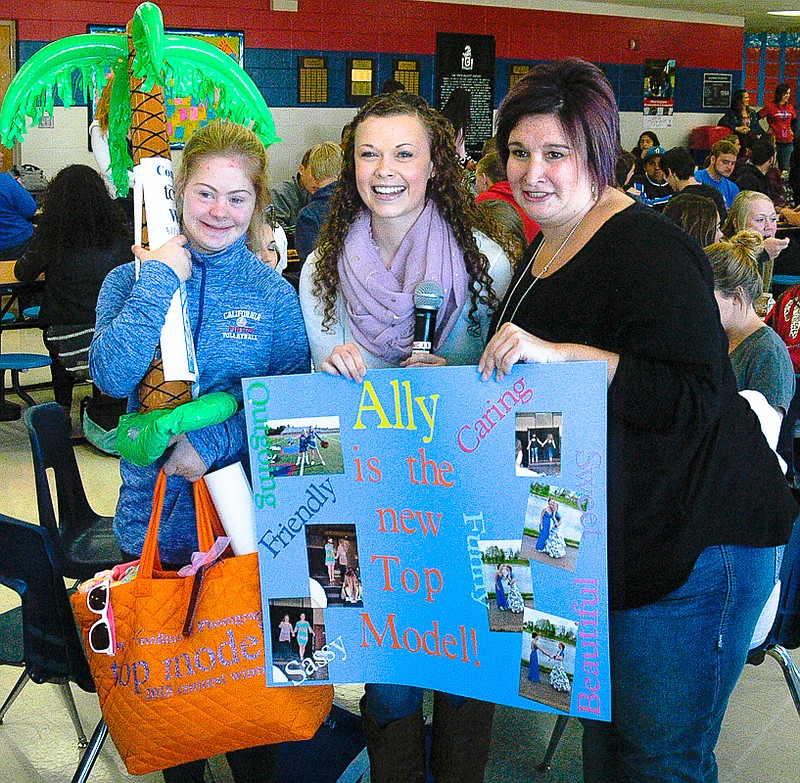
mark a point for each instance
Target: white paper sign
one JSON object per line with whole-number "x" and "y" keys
{"x": 154, "y": 183}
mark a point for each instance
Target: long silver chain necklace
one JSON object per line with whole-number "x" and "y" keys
{"x": 541, "y": 274}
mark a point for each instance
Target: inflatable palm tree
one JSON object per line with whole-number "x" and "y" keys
{"x": 144, "y": 61}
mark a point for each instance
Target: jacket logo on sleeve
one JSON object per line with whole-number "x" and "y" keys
{"x": 241, "y": 324}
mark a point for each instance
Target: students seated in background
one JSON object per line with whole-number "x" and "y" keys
{"x": 678, "y": 167}
{"x": 17, "y": 208}
{"x": 646, "y": 140}
{"x": 751, "y": 174}
{"x": 291, "y": 195}
{"x": 492, "y": 185}
{"x": 626, "y": 167}
{"x": 458, "y": 111}
{"x": 696, "y": 215}
{"x": 794, "y": 176}
{"x": 392, "y": 85}
{"x": 759, "y": 357}
{"x": 651, "y": 187}
{"x": 505, "y": 215}
{"x": 81, "y": 236}
{"x": 324, "y": 167}
{"x": 737, "y": 142}
{"x": 754, "y": 211}
{"x": 720, "y": 167}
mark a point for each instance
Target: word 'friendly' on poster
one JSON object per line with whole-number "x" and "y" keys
{"x": 430, "y": 529}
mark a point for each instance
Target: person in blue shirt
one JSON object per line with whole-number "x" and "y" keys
{"x": 17, "y": 209}
{"x": 324, "y": 164}
{"x": 720, "y": 167}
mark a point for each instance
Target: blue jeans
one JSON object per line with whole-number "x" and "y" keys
{"x": 387, "y": 703}
{"x": 784, "y": 150}
{"x": 674, "y": 665}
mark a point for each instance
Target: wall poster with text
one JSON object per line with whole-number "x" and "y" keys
{"x": 430, "y": 529}
{"x": 467, "y": 61}
{"x": 659, "y": 93}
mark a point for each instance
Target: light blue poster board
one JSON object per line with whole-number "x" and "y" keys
{"x": 437, "y": 531}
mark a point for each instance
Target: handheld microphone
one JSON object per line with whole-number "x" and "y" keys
{"x": 428, "y": 298}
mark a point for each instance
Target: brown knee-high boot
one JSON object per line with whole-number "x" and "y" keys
{"x": 461, "y": 738}
{"x": 396, "y": 751}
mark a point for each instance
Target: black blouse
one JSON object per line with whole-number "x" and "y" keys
{"x": 688, "y": 465}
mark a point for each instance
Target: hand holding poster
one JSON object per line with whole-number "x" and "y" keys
{"x": 429, "y": 529}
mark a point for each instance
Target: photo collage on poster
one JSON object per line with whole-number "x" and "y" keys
{"x": 551, "y": 535}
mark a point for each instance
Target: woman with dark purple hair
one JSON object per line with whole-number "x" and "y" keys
{"x": 692, "y": 548}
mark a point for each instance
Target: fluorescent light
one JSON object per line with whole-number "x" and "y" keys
{"x": 784, "y": 13}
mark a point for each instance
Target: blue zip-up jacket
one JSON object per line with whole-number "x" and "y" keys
{"x": 246, "y": 322}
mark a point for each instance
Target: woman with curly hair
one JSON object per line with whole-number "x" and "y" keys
{"x": 401, "y": 215}
{"x": 81, "y": 236}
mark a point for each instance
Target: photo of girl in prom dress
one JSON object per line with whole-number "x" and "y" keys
{"x": 500, "y": 588}
{"x": 555, "y": 545}
{"x": 558, "y": 676}
{"x": 513, "y": 594}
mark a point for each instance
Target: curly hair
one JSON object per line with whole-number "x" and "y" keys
{"x": 78, "y": 213}
{"x": 446, "y": 189}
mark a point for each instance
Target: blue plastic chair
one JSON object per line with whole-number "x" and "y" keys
{"x": 85, "y": 539}
{"x": 784, "y": 633}
{"x": 16, "y": 363}
{"x": 40, "y": 635}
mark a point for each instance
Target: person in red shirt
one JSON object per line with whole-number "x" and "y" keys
{"x": 779, "y": 115}
{"x": 491, "y": 183}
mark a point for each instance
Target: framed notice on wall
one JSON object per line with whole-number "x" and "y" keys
{"x": 717, "y": 90}
{"x": 407, "y": 73}
{"x": 467, "y": 62}
{"x": 312, "y": 80}
{"x": 361, "y": 73}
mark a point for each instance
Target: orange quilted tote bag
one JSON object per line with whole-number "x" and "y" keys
{"x": 185, "y": 685}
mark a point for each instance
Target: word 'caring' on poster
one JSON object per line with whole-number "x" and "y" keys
{"x": 429, "y": 529}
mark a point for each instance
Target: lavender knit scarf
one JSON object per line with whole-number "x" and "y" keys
{"x": 380, "y": 301}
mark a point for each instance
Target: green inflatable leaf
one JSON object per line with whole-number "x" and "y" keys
{"x": 143, "y": 437}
